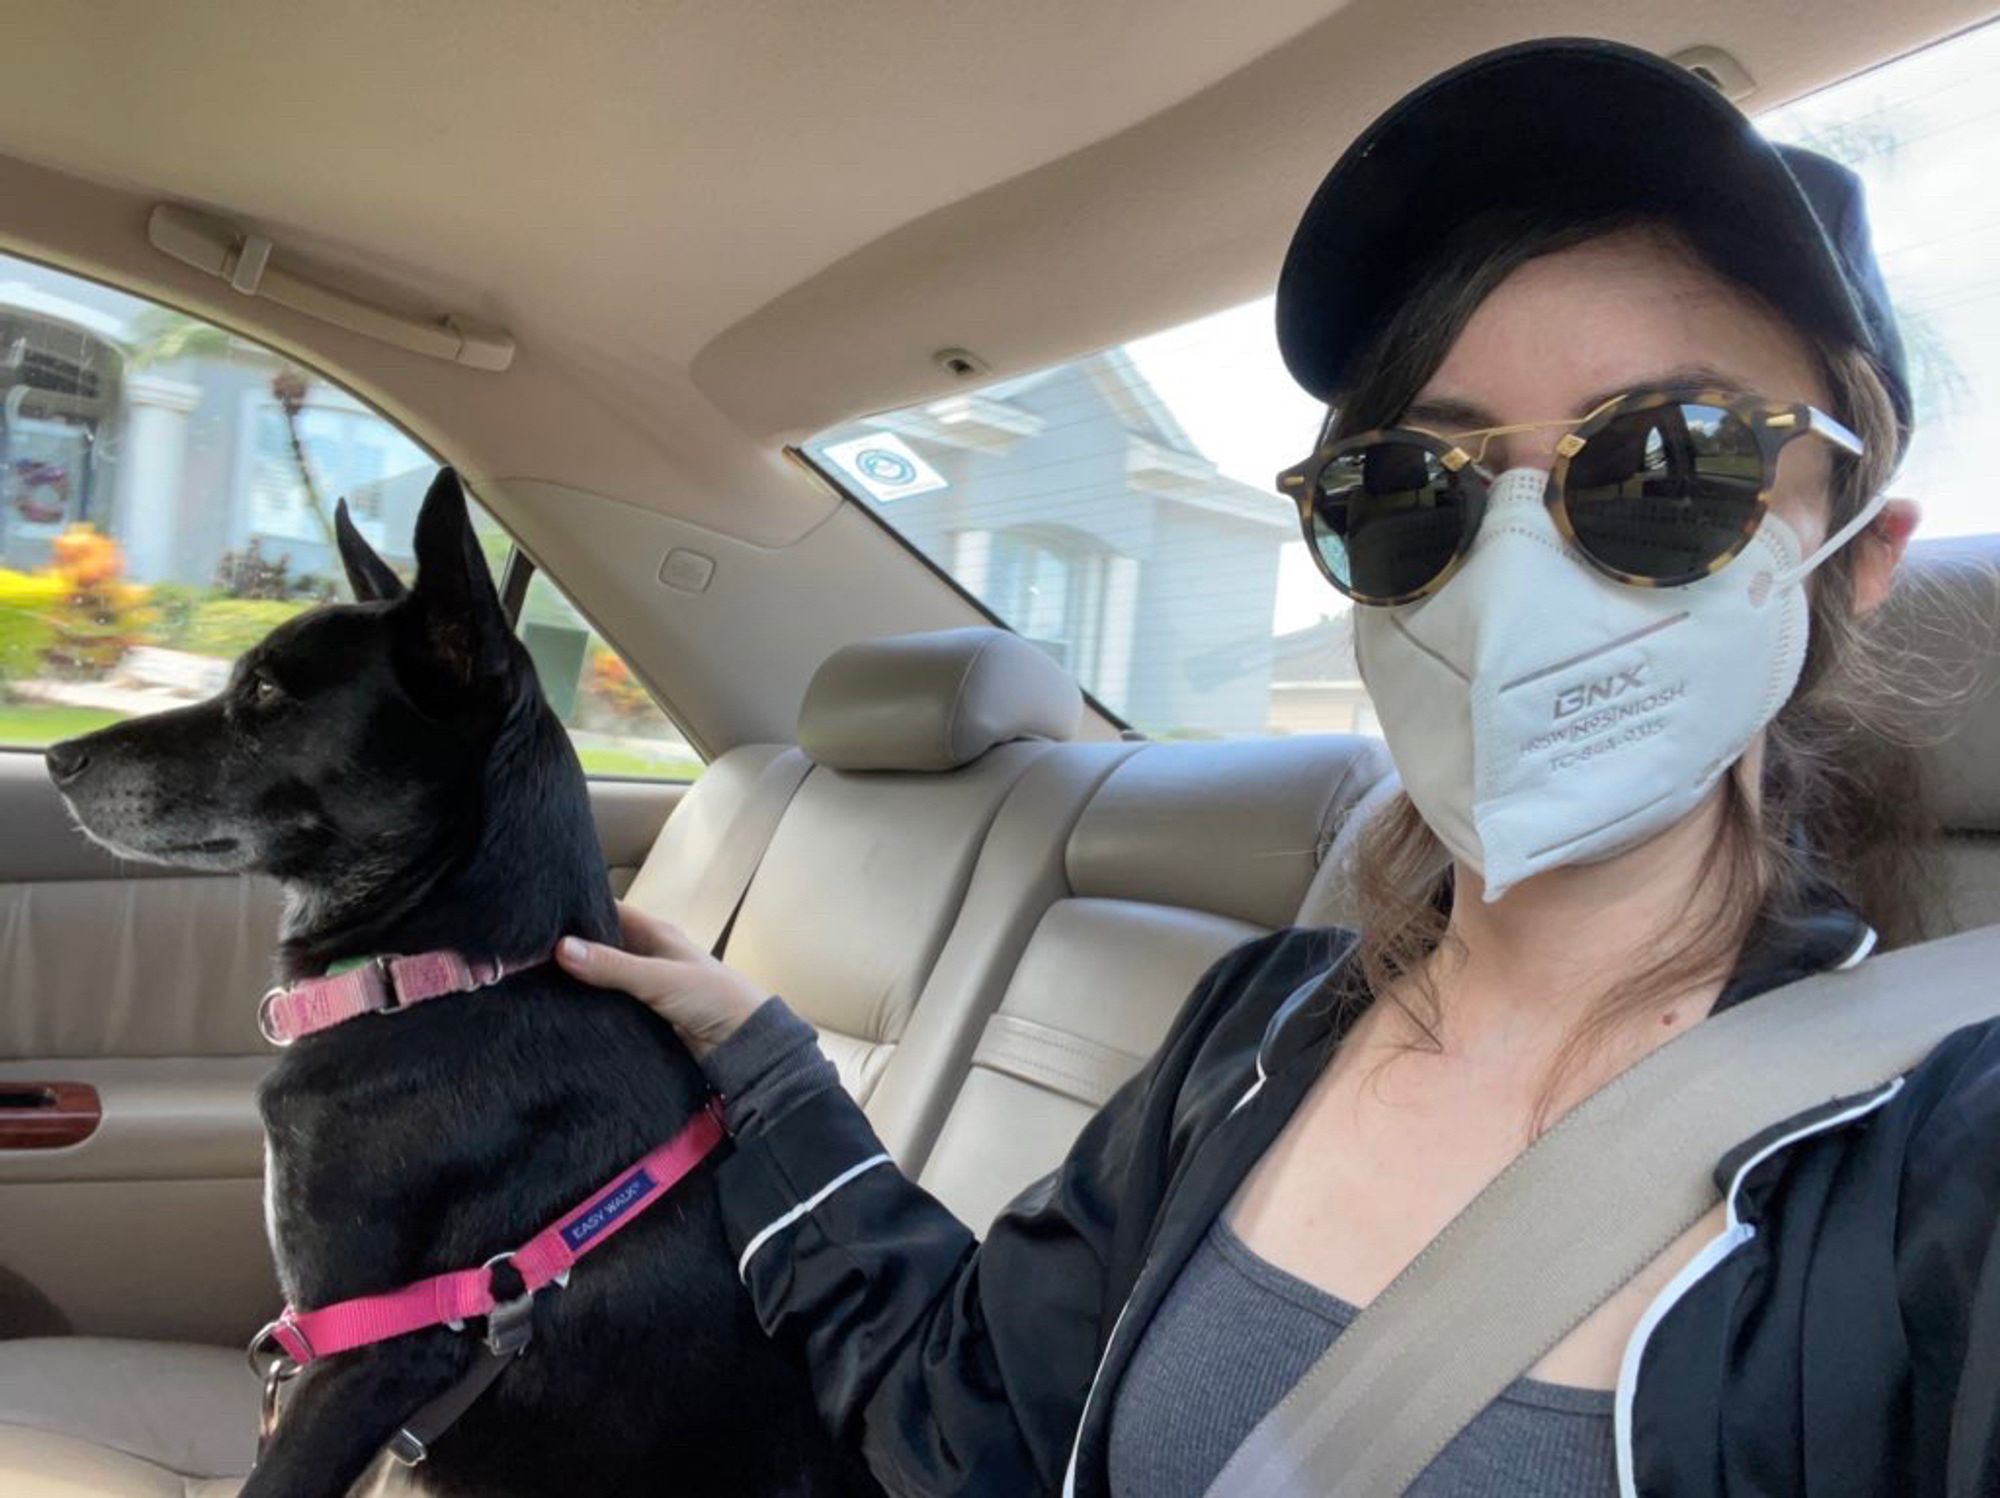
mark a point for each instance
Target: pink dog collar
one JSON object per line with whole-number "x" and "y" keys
{"x": 374, "y": 985}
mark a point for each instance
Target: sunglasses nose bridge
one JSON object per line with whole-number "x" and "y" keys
{"x": 1526, "y": 444}
{"x": 1535, "y": 448}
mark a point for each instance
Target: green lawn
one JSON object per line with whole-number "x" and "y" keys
{"x": 623, "y": 762}
{"x": 30, "y": 725}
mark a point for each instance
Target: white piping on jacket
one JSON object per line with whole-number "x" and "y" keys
{"x": 1076, "y": 1441}
{"x": 1734, "y": 1234}
{"x": 1282, "y": 1012}
{"x": 1254, "y": 1088}
{"x": 785, "y": 1219}
{"x": 1861, "y": 949}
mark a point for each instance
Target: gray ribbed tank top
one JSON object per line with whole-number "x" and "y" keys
{"x": 1236, "y": 1332}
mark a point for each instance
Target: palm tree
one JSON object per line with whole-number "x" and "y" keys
{"x": 162, "y": 335}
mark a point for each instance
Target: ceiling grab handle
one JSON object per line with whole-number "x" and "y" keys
{"x": 247, "y": 274}
{"x": 243, "y": 259}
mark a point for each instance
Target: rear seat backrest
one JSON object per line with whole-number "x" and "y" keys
{"x": 915, "y": 742}
{"x": 857, "y": 892}
{"x": 1021, "y": 872}
{"x": 1947, "y": 615}
{"x": 705, "y": 855}
{"x": 1186, "y": 851}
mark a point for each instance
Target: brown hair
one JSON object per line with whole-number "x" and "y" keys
{"x": 1819, "y": 826}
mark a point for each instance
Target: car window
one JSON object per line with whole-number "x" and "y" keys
{"x": 1118, "y": 510}
{"x": 1922, "y": 135}
{"x": 166, "y": 498}
{"x": 618, "y": 729}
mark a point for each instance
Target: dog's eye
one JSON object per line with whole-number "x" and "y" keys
{"x": 265, "y": 692}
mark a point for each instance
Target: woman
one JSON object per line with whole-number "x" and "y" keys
{"x": 1614, "y": 393}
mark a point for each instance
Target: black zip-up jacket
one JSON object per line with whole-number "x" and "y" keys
{"x": 1841, "y": 1336}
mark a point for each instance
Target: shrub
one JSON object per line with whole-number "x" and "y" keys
{"x": 27, "y": 620}
{"x": 99, "y": 615}
{"x": 173, "y": 606}
{"x": 609, "y": 684}
{"x": 226, "y": 627}
{"x": 250, "y": 574}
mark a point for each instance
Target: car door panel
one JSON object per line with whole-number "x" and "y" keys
{"x": 141, "y": 982}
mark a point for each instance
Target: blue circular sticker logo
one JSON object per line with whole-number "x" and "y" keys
{"x": 885, "y": 467}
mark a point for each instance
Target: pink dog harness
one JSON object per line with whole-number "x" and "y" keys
{"x": 545, "y": 1259}
{"x": 383, "y": 985}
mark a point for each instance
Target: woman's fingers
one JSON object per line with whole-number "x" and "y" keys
{"x": 637, "y": 973}
{"x": 703, "y": 998}
{"x": 651, "y": 936}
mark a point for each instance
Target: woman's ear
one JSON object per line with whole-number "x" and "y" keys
{"x": 1878, "y": 551}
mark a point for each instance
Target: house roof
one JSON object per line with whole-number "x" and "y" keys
{"x": 20, "y": 296}
{"x": 1319, "y": 652}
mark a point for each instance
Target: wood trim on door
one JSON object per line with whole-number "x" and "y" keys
{"x": 47, "y": 1115}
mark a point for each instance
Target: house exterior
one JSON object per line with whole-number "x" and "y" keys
{"x": 1315, "y": 683}
{"x": 181, "y": 461}
{"x": 1072, "y": 504}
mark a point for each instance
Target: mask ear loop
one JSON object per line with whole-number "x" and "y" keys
{"x": 1861, "y": 521}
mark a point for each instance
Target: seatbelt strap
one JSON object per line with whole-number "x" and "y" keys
{"x": 706, "y": 856}
{"x": 1586, "y": 1207}
{"x": 729, "y": 876}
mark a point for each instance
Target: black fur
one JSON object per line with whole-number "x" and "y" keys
{"x": 393, "y": 762}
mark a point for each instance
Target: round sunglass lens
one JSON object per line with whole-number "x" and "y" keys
{"x": 1387, "y": 519}
{"x": 1667, "y": 493}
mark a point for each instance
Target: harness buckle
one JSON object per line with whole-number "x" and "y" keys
{"x": 407, "y": 1448}
{"x": 273, "y": 1376}
{"x": 510, "y": 1325}
{"x": 267, "y": 1335}
{"x": 391, "y": 1000}
{"x": 281, "y": 1372}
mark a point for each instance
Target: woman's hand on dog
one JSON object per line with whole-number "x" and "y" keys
{"x": 699, "y": 995}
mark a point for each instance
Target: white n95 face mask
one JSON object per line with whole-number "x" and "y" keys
{"x": 1543, "y": 714}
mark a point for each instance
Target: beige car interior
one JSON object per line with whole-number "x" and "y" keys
{"x": 913, "y": 825}
{"x": 1005, "y": 869}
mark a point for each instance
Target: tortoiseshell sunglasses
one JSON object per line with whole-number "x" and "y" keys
{"x": 1656, "y": 488}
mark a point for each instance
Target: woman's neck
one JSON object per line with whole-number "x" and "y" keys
{"x": 1522, "y": 972}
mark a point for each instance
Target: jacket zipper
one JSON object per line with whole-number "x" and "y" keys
{"x": 1734, "y": 1234}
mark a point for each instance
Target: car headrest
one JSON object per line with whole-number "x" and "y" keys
{"x": 934, "y": 701}
{"x": 1258, "y": 810}
{"x": 1945, "y": 617}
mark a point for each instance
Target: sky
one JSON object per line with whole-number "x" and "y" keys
{"x": 1924, "y": 134}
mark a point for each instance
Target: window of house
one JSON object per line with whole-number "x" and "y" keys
{"x": 166, "y": 499}
{"x": 1118, "y": 510}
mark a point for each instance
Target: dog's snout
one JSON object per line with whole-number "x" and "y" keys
{"x": 66, "y": 761}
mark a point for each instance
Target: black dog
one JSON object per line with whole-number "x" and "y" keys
{"x": 394, "y": 764}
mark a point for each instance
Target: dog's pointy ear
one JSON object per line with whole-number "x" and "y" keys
{"x": 367, "y": 574}
{"x": 465, "y": 628}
